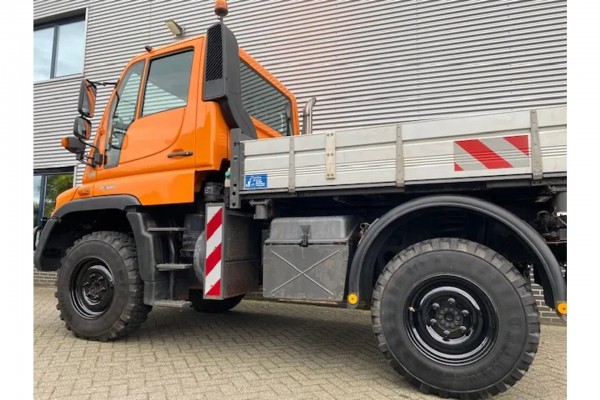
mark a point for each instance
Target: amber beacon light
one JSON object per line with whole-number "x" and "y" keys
{"x": 221, "y": 8}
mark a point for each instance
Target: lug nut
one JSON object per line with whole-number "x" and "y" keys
{"x": 452, "y": 325}
{"x": 446, "y": 333}
{"x": 457, "y": 318}
{"x": 435, "y": 306}
{"x": 462, "y": 329}
{"x": 451, "y": 301}
{"x": 445, "y": 309}
{"x": 432, "y": 321}
{"x": 465, "y": 313}
{"x": 440, "y": 317}
{"x": 455, "y": 312}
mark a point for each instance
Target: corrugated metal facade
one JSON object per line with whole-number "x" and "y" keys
{"x": 368, "y": 63}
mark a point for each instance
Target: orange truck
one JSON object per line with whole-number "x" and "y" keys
{"x": 201, "y": 188}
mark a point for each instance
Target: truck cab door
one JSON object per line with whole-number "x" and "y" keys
{"x": 150, "y": 128}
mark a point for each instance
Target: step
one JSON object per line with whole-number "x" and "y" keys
{"x": 166, "y": 229}
{"x": 172, "y": 303}
{"x": 173, "y": 267}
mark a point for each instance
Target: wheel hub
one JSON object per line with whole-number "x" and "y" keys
{"x": 92, "y": 288}
{"x": 453, "y": 321}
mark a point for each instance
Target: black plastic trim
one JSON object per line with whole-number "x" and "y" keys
{"x": 222, "y": 81}
{"x": 361, "y": 270}
{"x": 118, "y": 202}
{"x": 44, "y": 237}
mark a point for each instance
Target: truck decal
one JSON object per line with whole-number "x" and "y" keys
{"x": 492, "y": 153}
{"x": 256, "y": 181}
{"x": 214, "y": 235}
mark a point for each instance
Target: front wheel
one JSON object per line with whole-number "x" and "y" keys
{"x": 99, "y": 289}
{"x": 456, "y": 318}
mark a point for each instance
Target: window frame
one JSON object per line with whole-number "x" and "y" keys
{"x": 290, "y": 124}
{"x": 115, "y": 98}
{"x": 44, "y": 173}
{"x": 54, "y": 24}
{"x": 146, "y": 77}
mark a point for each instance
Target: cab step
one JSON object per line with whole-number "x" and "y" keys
{"x": 173, "y": 267}
{"x": 166, "y": 229}
{"x": 172, "y": 303}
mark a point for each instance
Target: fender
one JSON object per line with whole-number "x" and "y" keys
{"x": 44, "y": 261}
{"x": 361, "y": 269}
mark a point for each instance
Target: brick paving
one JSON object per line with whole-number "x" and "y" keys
{"x": 260, "y": 350}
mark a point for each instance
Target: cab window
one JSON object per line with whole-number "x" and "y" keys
{"x": 263, "y": 101}
{"x": 122, "y": 112}
{"x": 168, "y": 83}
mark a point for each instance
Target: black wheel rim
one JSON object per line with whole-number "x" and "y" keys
{"x": 92, "y": 288}
{"x": 450, "y": 320}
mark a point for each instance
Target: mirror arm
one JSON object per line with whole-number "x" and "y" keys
{"x": 88, "y": 157}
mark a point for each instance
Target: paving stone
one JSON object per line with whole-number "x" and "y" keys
{"x": 260, "y": 350}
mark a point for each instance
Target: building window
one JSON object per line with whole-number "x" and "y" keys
{"x": 58, "y": 48}
{"x": 264, "y": 101}
{"x": 46, "y": 186}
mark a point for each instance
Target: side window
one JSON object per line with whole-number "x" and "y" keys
{"x": 264, "y": 101}
{"x": 122, "y": 112}
{"x": 168, "y": 83}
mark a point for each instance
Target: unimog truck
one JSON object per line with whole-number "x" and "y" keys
{"x": 200, "y": 187}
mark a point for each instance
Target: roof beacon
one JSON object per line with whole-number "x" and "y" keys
{"x": 221, "y": 9}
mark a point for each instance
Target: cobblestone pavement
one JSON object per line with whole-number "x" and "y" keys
{"x": 260, "y": 350}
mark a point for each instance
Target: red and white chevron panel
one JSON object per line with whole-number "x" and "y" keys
{"x": 492, "y": 153}
{"x": 214, "y": 251}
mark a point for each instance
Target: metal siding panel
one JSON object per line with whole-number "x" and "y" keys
{"x": 368, "y": 63}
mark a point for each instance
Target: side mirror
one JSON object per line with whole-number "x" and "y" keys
{"x": 87, "y": 98}
{"x": 82, "y": 128}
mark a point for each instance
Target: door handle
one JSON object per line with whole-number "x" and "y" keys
{"x": 180, "y": 154}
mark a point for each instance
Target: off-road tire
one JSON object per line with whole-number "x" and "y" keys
{"x": 126, "y": 310}
{"x": 213, "y": 306}
{"x": 517, "y": 327}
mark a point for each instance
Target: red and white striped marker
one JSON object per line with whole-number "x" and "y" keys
{"x": 492, "y": 153}
{"x": 214, "y": 251}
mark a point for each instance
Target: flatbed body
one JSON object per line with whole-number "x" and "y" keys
{"x": 529, "y": 145}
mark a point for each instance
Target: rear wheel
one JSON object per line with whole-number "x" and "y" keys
{"x": 213, "y": 306}
{"x": 456, "y": 318}
{"x": 99, "y": 290}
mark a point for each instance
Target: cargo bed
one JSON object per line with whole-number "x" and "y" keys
{"x": 500, "y": 146}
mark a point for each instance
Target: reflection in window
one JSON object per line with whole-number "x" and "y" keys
{"x": 46, "y": 187}
{"x": 168, "y": 83}
{"x": 263, "y": 101}
{"x": 42, "y": 53}
{"x": 37, "y": 191}
{"x": 122, "y": 112}
{"x": 58, "y": 49}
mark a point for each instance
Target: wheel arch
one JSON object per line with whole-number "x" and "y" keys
{"x": 77, "y": 218}
{"x": 362, "y": 268}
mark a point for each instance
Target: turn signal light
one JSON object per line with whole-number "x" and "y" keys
{"x": 562, "y": 308}
{"x": 64, "y": 142}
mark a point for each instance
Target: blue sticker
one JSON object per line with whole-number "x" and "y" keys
{"x": 257, "y": 181}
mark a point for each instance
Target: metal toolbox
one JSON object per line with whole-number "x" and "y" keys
{"x": 307, "y": 258}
